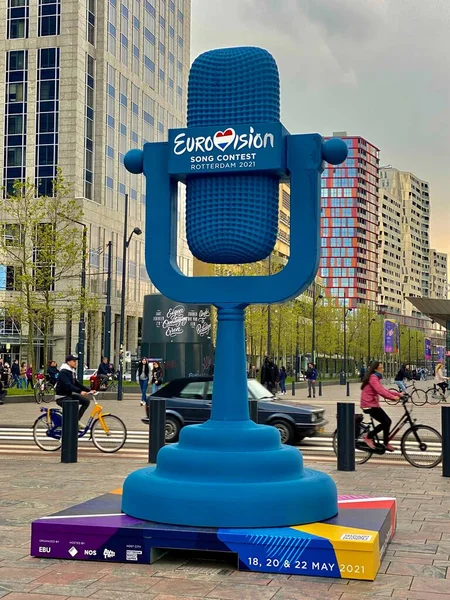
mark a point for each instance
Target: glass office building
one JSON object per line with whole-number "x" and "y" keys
{"x": 349, "y": 225}
{"x": 83, "y": 82}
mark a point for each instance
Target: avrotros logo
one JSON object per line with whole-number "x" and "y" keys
{"x": 222, "y": 140}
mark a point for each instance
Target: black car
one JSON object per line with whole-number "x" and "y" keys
{"x": 188, "y": 401}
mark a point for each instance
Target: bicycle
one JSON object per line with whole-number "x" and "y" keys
{"x": 415, "y": 442}
{"x": 417, "y": 395}
{"x": 44, "y": 391}
{"x": 107, "y": 432}
{"x": 436, "y": 394}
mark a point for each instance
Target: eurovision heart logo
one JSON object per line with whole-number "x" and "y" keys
{"x": 223, "y": 139}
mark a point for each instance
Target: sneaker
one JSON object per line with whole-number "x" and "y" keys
{"x": 390, "y": 448}
{"x": 142, "y": 403}
{"x": 146, "y": 420}
{"x": 369, "y": 442}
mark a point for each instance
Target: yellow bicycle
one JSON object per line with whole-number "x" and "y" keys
{"x": 107, "y": 432}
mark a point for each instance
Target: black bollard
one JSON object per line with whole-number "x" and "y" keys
{"x": 253, "y": 408}
{"x": 69, "y": 445}
{"x": 293, "y": 388}
{"x": 445, "y": 410}
{"x": 320, "y": 388}
{"x": 348, "y": 388}
{"x": 346, "y": 436}
{"x": 157, "y": 427}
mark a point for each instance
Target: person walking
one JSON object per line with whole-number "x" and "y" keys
{"x": 269, "y": 374}
{"x": 144, "y": 376}
{"x": 157, "y": 377}
{"x": 371, "y": 390}
{"x": 311, "y": 376}
{"x": 282, "y": 379}
{"x": 29, "y": 376}
{"x": 23, "y": 376}
{"x": 15, "y": 371}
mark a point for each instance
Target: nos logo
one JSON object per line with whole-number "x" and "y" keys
{"x": 90, "y": 552}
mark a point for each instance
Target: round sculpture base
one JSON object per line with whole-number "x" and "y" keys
{"x": 230, "y": 474}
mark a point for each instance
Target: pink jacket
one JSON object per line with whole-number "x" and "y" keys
{"x": 369, "y": 395}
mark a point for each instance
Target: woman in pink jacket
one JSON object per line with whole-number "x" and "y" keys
{"x": 370, "y": 402}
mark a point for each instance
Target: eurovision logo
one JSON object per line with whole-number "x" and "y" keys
{"x": 221, "y": 140}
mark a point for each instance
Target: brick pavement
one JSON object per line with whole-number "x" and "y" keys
{"x": 416, "y": 567}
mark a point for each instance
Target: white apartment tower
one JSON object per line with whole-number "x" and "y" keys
{"x": 438, "y": 275}
{"x": 390, "y": 253}
{"x": 84, "y": 81}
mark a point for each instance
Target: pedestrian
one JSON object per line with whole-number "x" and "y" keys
{"x": 282, "y": 378}
{"x": 15, "y": 371}
{"x": 371, "y": 389}
{"x": 3, "y": 393}
{"x": 6, "y": 374}
{"x": 311, "y": 376}
{"x": 144, "y": 376}
{"x": 23, "y": 376}
{"x": 269, "y": 374}
{"x": 362, "y": 372}
{"x": 29, "y": 376}
{"x": 157, "y": 377}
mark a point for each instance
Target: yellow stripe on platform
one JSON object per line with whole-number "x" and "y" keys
{"x": 118, "y": 491}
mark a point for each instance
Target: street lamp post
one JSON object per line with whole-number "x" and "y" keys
{"x": 269, "y": 327}
{"x": 346, "y": 311}
{"x": 107, "y": 341}
{"x": 371, "y": 320}
{"x": 126, "y": 244}
{"x": 297, "y": 349}
{"x": 315, "y": 301}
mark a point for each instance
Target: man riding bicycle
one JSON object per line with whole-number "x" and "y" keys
{"x": 67, "y": 386}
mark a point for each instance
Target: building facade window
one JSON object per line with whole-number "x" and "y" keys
{"x": 49, "y": 17}
{"x": 18, "y": 19}
{"x": 47, "y": 119}
{"x": 90, "y": 21}
{"x": 15, "y": 118}
{"x": 89, "y": 128}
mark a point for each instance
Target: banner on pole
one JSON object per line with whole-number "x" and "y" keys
{"x": 389, "y": 338}
{"x": 397, "y": 338}
{"x": 440, "y": 350}
{"x": 427, "y": 349}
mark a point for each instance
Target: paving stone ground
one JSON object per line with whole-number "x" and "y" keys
{"x": 416, "y": 566}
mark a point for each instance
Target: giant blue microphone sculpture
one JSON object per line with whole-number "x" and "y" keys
{"x": 229, "y": 471}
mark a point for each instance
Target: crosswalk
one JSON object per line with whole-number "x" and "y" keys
{"x": 18, "y": 441}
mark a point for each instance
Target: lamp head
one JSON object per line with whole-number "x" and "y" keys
{"x": 137, "y": 231}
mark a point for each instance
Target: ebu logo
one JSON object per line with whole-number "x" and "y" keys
{"x": 221, "y": 140}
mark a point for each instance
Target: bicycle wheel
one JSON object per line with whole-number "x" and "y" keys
{"x": 418, "y": 397}
{"x": 48, "y": 393}
{"x": 47, "y": 438}
{"x": 393, "y": 402}
{"x": 38, "y": 394}
{"x": 433, "y": 396}
{"x": 112, "y": 387}
{"x": 421, "y": 445}
{"x": 361, "y": 456}
{"x": 113, "y": 437}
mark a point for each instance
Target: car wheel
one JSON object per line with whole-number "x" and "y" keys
{"x": 286, "y": 431}
{"x": 172, "y": 429}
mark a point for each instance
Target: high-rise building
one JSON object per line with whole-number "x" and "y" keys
{"x": 349, "y": 225}
{"x": 390, "y": 297}
{"x": 83, "y": 82}
{"x": 438, "y": 275}
{"x": 413, "y": 196}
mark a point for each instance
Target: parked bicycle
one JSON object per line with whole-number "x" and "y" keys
{"x": 416, "y": 395}
{"x": 436, "y": 394}
{"x": 44, "y": 391}
{"x": 421, "y": 445}
{"x": 107, "y": 432}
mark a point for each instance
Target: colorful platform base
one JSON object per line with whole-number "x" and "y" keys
{"x": 348, "y": 546}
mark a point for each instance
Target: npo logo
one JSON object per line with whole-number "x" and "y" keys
{"x": 222, "y": 140}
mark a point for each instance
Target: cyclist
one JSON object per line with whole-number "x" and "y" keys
{"x": 52, "y": 372}
{"x": 401, "y": 376}
{"x": 67, "y": 386}
{"x": 371, "y": 389}
{"x": 104, "y": 371}
{"x": 440, "y": 380}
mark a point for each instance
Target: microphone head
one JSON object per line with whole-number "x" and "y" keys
{"x": 232, "y": 218}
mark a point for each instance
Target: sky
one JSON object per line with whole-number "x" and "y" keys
{"x": 375, "y": 68}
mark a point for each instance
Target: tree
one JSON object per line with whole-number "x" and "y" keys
{"x": 42, "y": 246}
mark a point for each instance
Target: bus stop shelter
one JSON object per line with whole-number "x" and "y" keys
{"x": 439, "y": 311}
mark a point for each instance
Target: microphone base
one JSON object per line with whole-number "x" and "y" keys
{"x": 230, "y": 474}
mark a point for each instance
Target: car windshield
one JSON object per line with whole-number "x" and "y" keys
{"x": 258, "y": 391}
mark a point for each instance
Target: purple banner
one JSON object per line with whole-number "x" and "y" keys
{"x": 397, "y": 338}
{"x": 427, "y": 349}
{"x": 440, "y": 353}
{"x": 389, "y": 338}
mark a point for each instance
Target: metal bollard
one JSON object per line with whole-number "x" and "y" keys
{"x": 293, "y": 388}
{"x": 346, "y": 436}
{"x": 253, "y": 408}
{"x": 69, "y": 442}
{"x": 445, "y": 411}
{"x": 157, "y": 427}
{"x": 348, "y": 388}
{"x": 320, "y": 388}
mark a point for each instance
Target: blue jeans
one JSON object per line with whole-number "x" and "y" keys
{"x": 143, "y": 383}
{"x": 283, "y": 387}
{"x": 155, "y": 388}
{"x": 401, "y": 386}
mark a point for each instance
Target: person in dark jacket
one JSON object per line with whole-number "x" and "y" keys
{"x": 144, "y": 376}
{"x": 67, "y": 386}
{"x": 282, "y": 377}
{"x": 269, "y": 374}
{"x": 157, "y": 377}
{"x": 401, "y": 376}
{"x": 311, "y": 376}
{"x": 3, "y": 393}
{"x": 104, "y": 370}
{"x": 52, "y": 372}
{"x": 15, "y": 371}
